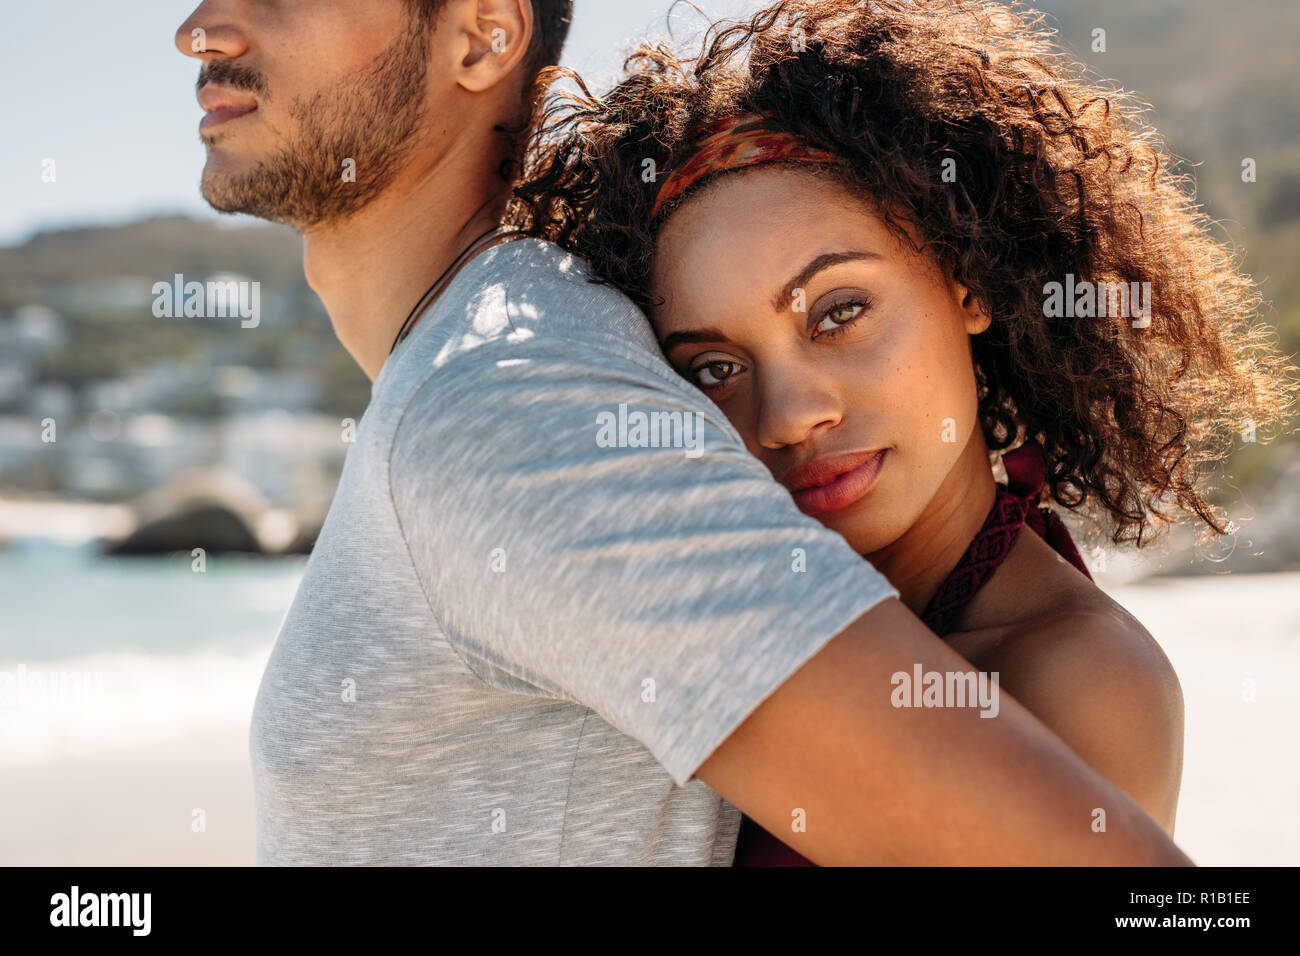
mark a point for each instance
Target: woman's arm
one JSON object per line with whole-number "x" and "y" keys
{"x": 915, "y": 786}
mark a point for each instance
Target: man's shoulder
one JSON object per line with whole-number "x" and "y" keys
{"x": 528, "y": 321}
{"x": 546, "y": 262}
{"x": 533, "y": 291}
{"x": 535, "y": 268}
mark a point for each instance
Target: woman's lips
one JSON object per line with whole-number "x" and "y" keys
{"x": 226, "y": 113}
{"x": 844, "y": 490}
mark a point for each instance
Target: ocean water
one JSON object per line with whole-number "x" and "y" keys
{"x": 98, "y": 653}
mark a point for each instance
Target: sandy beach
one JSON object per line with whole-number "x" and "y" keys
{"x": 122, "y": 789}
{"x": 133, "y": 807}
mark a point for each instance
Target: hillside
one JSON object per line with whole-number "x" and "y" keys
{"x": 1222, "y": 82}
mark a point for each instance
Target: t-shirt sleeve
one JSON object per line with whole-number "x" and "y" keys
{"x": 670, "y": 589}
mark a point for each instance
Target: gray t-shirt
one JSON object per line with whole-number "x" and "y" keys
{"x": 552, "y": 581}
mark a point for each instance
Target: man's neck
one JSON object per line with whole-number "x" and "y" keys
{"x": 370, "y": 269}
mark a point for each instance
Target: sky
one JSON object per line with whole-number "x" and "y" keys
{"x": 100, "y": 89}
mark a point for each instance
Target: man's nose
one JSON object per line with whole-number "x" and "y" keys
{"x": 211, "y": 31}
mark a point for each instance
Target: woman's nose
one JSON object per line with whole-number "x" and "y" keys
{"x": 794, "y": 404}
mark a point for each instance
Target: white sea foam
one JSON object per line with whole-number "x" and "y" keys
{"x": 128, "y": 700}
{"x": 69, "y": 522}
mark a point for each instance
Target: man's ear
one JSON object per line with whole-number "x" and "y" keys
{"x": 488, "y": 40}
{"x": 975, "y": 313}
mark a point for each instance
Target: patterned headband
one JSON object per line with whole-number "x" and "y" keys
{"x": 735, "y": 142}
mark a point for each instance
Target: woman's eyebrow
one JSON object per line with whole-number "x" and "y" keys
{"x": 781, "y": 301}
{"x": 674, "y": 339}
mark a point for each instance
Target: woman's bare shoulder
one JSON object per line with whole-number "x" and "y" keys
{"x": 1089, "y": 670}
{"x": 1068, "y": 627}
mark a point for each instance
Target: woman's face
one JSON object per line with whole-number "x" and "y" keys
{"x": 840, "y": 355}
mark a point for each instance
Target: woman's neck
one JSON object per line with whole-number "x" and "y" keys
{"x": 918, "y": 562}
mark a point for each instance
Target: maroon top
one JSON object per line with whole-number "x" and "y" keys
{"x": 1015, "y": 506}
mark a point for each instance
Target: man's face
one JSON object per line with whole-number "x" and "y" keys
{"x": 312, "y": 106}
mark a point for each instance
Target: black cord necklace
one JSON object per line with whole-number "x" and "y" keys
{"x": 491, "y": 237}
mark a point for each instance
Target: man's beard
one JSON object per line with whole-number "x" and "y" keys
{"x": 370, "y": 118}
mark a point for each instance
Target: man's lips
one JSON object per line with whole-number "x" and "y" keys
{"x": 219, "y": 116}
{"x": 834, "y": 482}
{"x": 222, "y": 105}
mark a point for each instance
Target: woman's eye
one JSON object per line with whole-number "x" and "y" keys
{"x": 714, "y": 373}
{"x": 840, "y": 316}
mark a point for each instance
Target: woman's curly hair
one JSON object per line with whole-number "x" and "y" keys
{"x": 1056, "y": 174}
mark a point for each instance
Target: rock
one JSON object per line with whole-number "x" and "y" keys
{"x": 209, "y": 509}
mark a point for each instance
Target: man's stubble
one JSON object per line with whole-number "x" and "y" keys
{"x": 371, "y": 118}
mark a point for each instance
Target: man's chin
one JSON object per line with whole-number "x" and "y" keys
{"x": 222, "y": 199}
{"x": 279, "y": 189}
{"x": 226, "y": 188}
{"x": 219, "y": 174}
